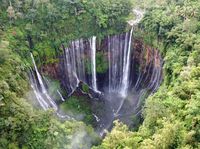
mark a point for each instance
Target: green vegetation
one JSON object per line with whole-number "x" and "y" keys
{"x": 21, "y": 126}
{"x": 54, "y": 87}
{"x": 79, "y": 108}
{"x": 172, "y": 115}
{"x": 101, "y": 63}
{"x": 85, "y": 88}
{"x": 41, "y": 26}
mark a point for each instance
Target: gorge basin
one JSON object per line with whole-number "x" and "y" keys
{"x": 119, "y": 69}
{"x": 116, "y": 107}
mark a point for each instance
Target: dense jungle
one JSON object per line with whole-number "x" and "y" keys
{"x": 99, "y": 74}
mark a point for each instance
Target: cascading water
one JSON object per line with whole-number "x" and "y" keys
{"x": 41, "y": 94}
{"x": 126, "y": 73}
{"x": 41, "y": 101}
{"x": 126, "y": 68}
{"x": 119, "y": 51}
{"x": 79, "y": 61}
{"x": 44, "y": 99}
{"x": 61, "y": 97}
{"x": 93, "y": 56}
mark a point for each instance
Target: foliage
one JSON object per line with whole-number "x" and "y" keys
{"x": 43, "y": 24}
{"x": 171, "y": 116}
{"x": 79, "y": 108}
{"x": 85, "y": 88}
{"x": 101, "y": 64}
{"x": 53, "y": 88}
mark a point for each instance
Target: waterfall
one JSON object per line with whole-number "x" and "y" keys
{"x": 61, "y": 97}
{"x": 119, "y": 54}
{"x": 41, "y": 93}
{"x": 117, "y": 46}
{"x": 126, "y": 72}
{"x": 130, "y": 75}
{"x": 72, "y": 66}
{"x": 41, "y": 101}
{"x": 76, "y": 69}
{"x": 126, "y": 68}
{"x": 93, "y": 62}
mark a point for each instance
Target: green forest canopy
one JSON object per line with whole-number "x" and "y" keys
{"x": 171, "y": 116}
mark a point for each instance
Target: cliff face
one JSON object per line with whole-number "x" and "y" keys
{"x": 51, "y": 70}
{"x": 145, "y": 65}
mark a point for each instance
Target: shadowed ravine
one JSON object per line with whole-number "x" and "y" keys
{"x": 121, "y": 87}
